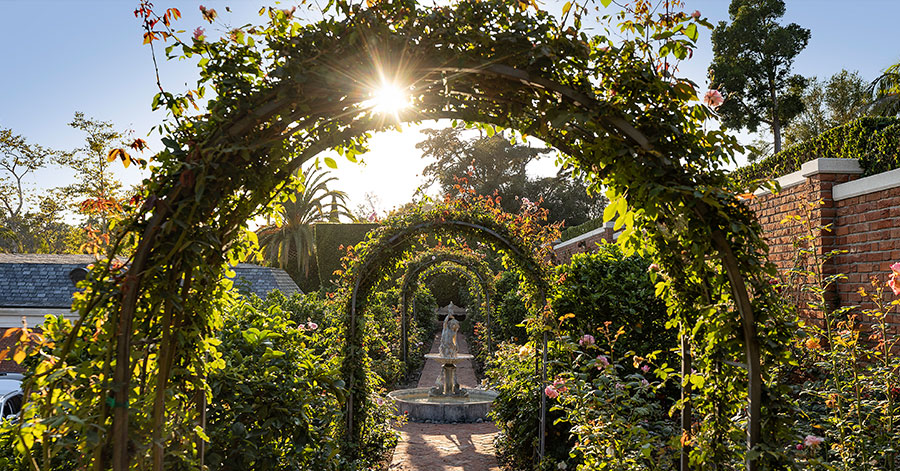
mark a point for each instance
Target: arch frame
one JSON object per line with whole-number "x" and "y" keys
{"x": 431, "y": 258}
{"x": 219, "y": 168}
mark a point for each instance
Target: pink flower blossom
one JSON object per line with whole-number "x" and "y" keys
{"x": 894, "y": 281}
{"x": 603, "y": 362}
{"x": 311, "y": 325}
{"x": 645, "y": 368}
{"x": 799, "y": 446}
{"x": 713, "y": 99}
{"x": 199, "y": 33}
{"x": 696, "y": 14}
{"x": 894, "y": 284}
{"x": 812, "y": 440}
{"x": 644, "y": 382}
{"x": 587, "y": 340}
{"x": 653, "y": 267}
{"x": 551, "y": 392}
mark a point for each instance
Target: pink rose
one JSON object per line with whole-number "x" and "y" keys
{"x": 896, "y": 268}
{"x": 799, "y": 446}
{"x": 603, "y": 362}
{"x": 713, "y": 99}
{"x": 199, "y": 33}
{"x": 894, "y": 284}
{"x": 587, "y": 339}
{"x": 812, "y": 440}
{"x": 696, "y": 14}
{"x": 551, "y": 392}
{"x": 312, "y": 326}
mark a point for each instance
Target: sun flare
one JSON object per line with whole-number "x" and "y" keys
{"x": 390, "y": 99}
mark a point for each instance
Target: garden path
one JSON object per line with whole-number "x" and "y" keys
{"x": 446, "y": 447}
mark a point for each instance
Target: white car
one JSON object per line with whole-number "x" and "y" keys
{"x": 11, "y": 395}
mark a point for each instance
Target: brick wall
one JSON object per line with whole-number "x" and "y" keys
{"x": 864, "y": 216}
{"x": 584, "y": 243}
{"x": 863, "y": 213}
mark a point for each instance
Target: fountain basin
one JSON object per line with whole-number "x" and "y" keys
{"x": 420, "y": 406}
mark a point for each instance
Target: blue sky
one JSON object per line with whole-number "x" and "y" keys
{"x": 61, "y": 56}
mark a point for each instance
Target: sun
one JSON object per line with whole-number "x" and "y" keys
{"x": 389, "y": 99}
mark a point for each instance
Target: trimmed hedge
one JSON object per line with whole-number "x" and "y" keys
{"x": 329, "y": 238}
{"x": 580, "y": 229}
{"x": 874, "y": 141}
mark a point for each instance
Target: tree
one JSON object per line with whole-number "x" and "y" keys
{"x": 96, "y": 192}
{"x": 826, "y": 104}
{"x": 752, "y": 59}
{"x": 18, "y": 159}
{"x": 885, "y": 92}
{"x": 492, "y": 164}
{"x": 289, "y": 243}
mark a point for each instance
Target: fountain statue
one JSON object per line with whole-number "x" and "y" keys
{"x": 449, "y": 348}
{"x": 446, "y": 401}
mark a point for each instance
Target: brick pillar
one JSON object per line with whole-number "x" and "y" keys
{"x": 821, "y": 176}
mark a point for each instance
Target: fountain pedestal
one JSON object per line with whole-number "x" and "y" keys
{"x": 447, "y": 383}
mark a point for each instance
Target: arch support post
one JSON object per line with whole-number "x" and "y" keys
{"x": 751, "y": 343}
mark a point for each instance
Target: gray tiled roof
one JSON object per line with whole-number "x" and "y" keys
{"x": 42, "y": 280}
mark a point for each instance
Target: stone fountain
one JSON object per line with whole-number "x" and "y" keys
{"x": 446, "y": 401}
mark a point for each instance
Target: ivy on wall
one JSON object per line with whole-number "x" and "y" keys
{"x": 874, "y": 141}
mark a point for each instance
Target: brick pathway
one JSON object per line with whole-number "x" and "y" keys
{"x": 446, "y": 447}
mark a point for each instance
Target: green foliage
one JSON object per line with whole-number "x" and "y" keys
{"x": 875, "y": 142}
{"x": 494, "y": 165}
{"x": 751, "y": 66}
{"x": 290, "y": 240}
{"x": 329, "y": 240}
{"x": 886, "y": 92}
{"x": 617, "y": 408}
{"x": 573, "y": 232}
{"x": 447, "y": 287}
{"x": 828, "y": 103}
{"x": 603, "y": 287}
{"x": 277, "y": 402}
{"x": 517, "y": 409}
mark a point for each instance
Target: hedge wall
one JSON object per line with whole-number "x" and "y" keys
{"x": 580, "y": 229}
{"x": 874, "y": 141}
{"x": 329, "y": 238}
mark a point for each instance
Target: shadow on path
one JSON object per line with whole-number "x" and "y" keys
{"x": 446, "y": 447}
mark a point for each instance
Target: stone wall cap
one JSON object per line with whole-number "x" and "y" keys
{"x": 830, "y": 165}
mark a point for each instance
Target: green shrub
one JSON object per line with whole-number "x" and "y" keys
{"x": 277, "y": 403}
{"x": 605, "y": 287}
{"x": 516, "y": 410}
{"x": 614, "y": 409}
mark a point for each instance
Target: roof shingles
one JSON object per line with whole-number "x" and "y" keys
{"x": 42, "y": 280}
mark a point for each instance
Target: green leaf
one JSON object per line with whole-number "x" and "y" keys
{"x": 605, "y": 3}
{"x": 566, "y": 7}
{"x": 330, "y": 162}
{"x": 691, "y": 31}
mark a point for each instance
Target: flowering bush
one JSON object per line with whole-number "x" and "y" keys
{"x": 619, "y": 419}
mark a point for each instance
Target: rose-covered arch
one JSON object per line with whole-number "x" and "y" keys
{"x": 469, "y": 262}
{"x": 296, "y": 90}
{"x": 522, "y": 242}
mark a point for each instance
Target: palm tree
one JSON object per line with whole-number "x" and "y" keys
{"x": 886, "y": 92}
{"x": 290, "y": 238}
